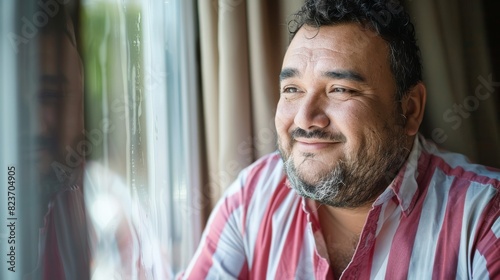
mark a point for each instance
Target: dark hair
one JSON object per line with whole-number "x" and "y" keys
{"x": 60, "y": 24}
{"x": 387, "y": 18}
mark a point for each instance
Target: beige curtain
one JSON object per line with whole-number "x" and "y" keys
{"x": 461, "y": 114}
{"x": 242, "y": 43}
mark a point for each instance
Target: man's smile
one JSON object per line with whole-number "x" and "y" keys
{"x": 313, "y": 144}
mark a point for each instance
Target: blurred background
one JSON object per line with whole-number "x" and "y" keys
{"x": 126, "y": 120}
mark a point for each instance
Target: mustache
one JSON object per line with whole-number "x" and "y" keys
{"x": 317, "y": 134}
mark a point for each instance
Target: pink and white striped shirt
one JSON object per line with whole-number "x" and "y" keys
{"x": 438, "y": 219}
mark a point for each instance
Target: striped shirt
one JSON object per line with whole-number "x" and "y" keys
{"x": 438, "y": 219}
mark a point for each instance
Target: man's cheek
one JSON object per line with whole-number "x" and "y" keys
{"x": 280, "y": 122}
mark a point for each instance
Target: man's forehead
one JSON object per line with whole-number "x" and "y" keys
{"x": 344, "y": 45}
{"x": 304, "y": 53}
{"x": 344, "y": 38}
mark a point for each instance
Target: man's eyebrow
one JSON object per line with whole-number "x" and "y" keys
{"x": 337, "y": 74}
{"x": 345, "y": 75}
{"x": 288, "y": 73}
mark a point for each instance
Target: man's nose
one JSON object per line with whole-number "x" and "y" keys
{"x": 311, "y": 113}
{"x": 47, "y": 121}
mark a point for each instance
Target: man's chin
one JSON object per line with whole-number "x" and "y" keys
{"x": 310, "y": 174}
{"x": 312, "y": 171}
{"x": 308, "y": 178}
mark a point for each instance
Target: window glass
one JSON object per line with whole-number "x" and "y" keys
{"x": 99, "y": 124}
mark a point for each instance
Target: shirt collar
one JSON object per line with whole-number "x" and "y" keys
{"x": 405, "y": 185}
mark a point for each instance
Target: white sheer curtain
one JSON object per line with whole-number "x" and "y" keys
{"x": 142, "y": 82}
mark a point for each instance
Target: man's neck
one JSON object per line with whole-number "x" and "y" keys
{"x": 343, "y": 220}
{"x": 341, "y": 230}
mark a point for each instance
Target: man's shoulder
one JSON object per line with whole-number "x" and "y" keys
{"x": 458, "y": 166}
{"x": 451, "y": 179}
{"x": 456, "y": 189}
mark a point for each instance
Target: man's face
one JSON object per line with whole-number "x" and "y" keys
{"x": 340, "y": 130}
{"x": 60, "y": 100}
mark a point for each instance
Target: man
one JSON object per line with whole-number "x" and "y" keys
{"x": 76, "y": 240}
{"x": 377, "y": 201}
{"x": 63, "y": 244}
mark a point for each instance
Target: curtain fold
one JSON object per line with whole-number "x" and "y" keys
{"x": 235, "y": 118}
{"x": 209, "y": 66}
{"x": 460, "y": 114}
{"x": 265, "y": 53}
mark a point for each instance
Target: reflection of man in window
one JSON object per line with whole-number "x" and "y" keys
{"x": 68, "y": 221}
{"x": 63, "y": 234}
{"x": 60, "y": 99}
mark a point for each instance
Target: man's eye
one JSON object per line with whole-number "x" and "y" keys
{"x": 343, "y": 90}
{"x": 49, "y": 96}
{"x": 290, "y": 90}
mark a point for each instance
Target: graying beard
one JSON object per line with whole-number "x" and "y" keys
{"x": 327, "y": 188}
{"x": 333, "y": 183}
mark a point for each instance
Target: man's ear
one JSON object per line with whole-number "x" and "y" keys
{"x": 413, "y": 105}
